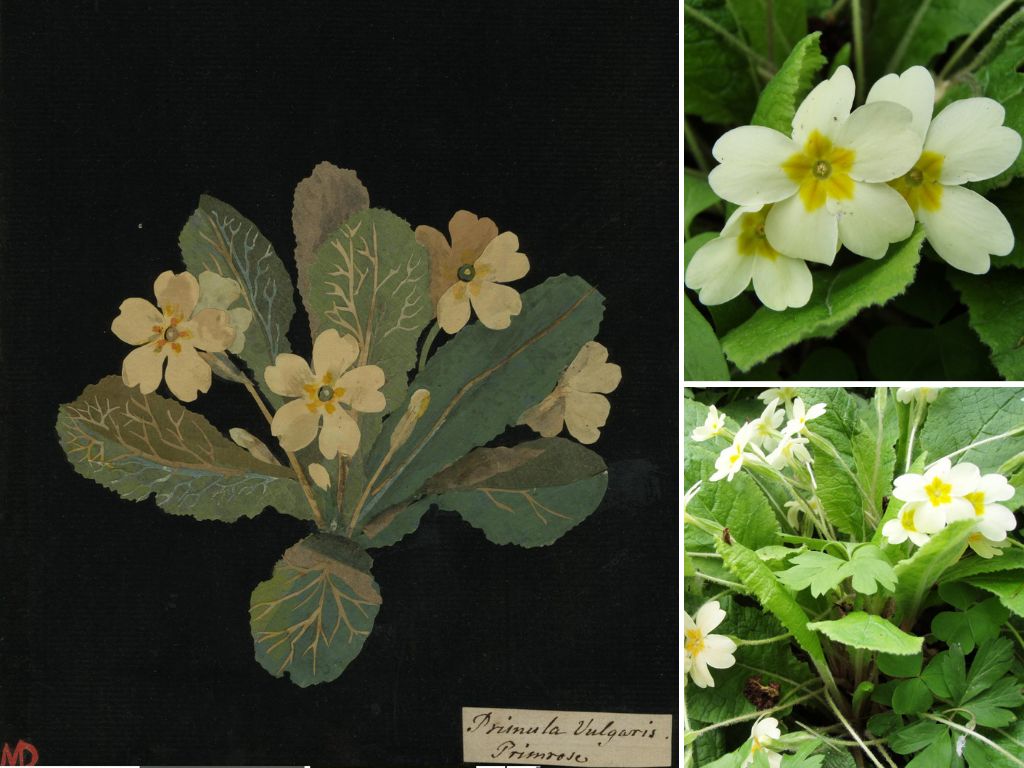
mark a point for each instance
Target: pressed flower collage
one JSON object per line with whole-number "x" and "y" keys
{"x": 853, "y": 384}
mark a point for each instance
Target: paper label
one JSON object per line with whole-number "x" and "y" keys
{"x": 545, "y": 737}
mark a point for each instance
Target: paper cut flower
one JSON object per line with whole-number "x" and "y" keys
{"x": 764, "y": 732}
{"x": 471, "y": 271}
{"x": 324, "y": 394}
{"x": 172, "y": 333}
{"x": 722, "y": 268}
{"x": 221, "y": 292}
{"x": 713, "y": 426}
{"x": 578, "y": 401}
{"x": 701, "y": 649}
{"x": 967, "y": 141}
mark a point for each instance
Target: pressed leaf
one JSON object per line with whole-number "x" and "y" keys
{"x": 785, "y": 91}
{"x": 703, "y": 358}
{"x": 219, "y": 239}
{"x": 918, "y": 574}
{"x": 324, "y": 200}
{"x": 311, "y": 618}
{"x": 870, "y": 632}
{"x": 837, "y": 297}
{"x": 963, "y": 416}
{"x": 995, "y": 305}
{"x": 138, "y": 445}
{"x": 718, "y": 88}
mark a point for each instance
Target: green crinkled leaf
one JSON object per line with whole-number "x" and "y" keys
{"x": 785, "y": 91}
{"x": 965, "y": 415}
{"x": 995, "y": 304}
{"x": 1008, "y": 586}
{"x": 874, "y": 448}
{"x": 219, "y": 239}
{"x": 771, "y": 29}
{"x": 311, "y": 618}
{"x": 481, "y": 381}
{"x": 918, "y": 574}
{"x": 1011, "y": 559}
{"x": 716, "y": 76}
{"x": 141, "y": 445}
{"x": 703, "y": 358}
{"x": 837, "y": 297}
{"x": 697, "y": 197}
{"x": 915, "y": 737}
{"x": 870, "y": 632}
{"x": 870, "y": 569}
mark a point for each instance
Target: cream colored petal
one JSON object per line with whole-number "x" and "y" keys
{"x": 547, "y": 417}
{"x": 294, "y": 424}
{"x": 213, "y": 330}
{"x": 144, "y": 367}
{"x": 973, "y": 141}
{"x": 443, "y": 263}
{"x": 319, "y": 475}
{"x": 176, "y": 294}
{"x": 495, "y": 304}
{"x": 334, "y": 353}
{"x": 914, "y": 89}
{"x": 217, "y": 291}
{"x": 362, "y": 389}
{"x": 453, "y": 309}
{"x": 875, "y": 216}
{"x": 826, "y": 107}
{"x": 751, "y": 171}
{"x": 585, "y": 414}
{"x": 966, "y": 229}
{"x": 501, "y": 261}
{"x": 135, "y": 323}
{"x": 187, "y": 373}
{"x": 289, "y": 374}
{"x": 719, "y": 271}
{"x": 591, "y": 371}
{"x": 470, "y": 235}
{"x": 782, "y": 282}
{"x": 241, "y": 319}
{"x": 340, "y": 434}
{"x": 799, "y": 234}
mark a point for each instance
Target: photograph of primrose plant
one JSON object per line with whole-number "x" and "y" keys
{"x": 422, "y": 354}
{"x": 853, "y": 578}
{"x": 851, "y": 187}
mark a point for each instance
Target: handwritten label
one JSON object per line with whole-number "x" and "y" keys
{"x": 545, "y": 737}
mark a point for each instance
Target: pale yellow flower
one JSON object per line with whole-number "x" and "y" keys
{"x": 172, "y": 333}
{"x": 471, "y": 271}
{"x": 221, "y": 292}
{"x": 325, "y": 394}
{"x": 578, "y": 401}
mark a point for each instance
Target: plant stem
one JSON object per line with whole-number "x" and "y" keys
{"x": 846, "y": 723}
{"x": 978, "y": 31}
{"x": 693, "y": 143}
{"x": 994, "y": 438}
{"x": 736, "y": 586}
{"x": 858, "y": 49}
{"x": 729, "y": 37}
{"x": 765, "y": 641}
{"x": 427, "y": 344}
{"x": 975, "y": 735}
{"x": 908, "y": 35}
{"x": 342, "y": 478}
{"x": 694, "y": 735}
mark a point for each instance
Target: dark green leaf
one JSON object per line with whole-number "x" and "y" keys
{"x": 911, "y": 696}
{"x": 995, "y": 304}
{"x": 967, "y": 415}
{"x": 703, "y": 358}
{"x": 789, "y": 86}
{"x": 697, "y": 197}
{"x": 716, "y": 75}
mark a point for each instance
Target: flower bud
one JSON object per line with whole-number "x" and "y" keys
{"x": 418, "y": 404}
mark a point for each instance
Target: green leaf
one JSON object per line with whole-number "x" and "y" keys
{"x": 994, "y": 707}
{"x": 935, "y": 678}
{"x": 703, "y": 360}
{"x": 311, "y": 618}
{"x": 789, "y": 86}
{"x": 1011, "y": 559}
{"x": 324, "y": 200}
{"x": 480, "y": 382}
{"x": 963, "y": 416}
{"x": 838, "y": 296}
{"x": 980, "y": 755}
{"x": 915, "y": 737}
{"x": 870, "y": 632}
{"x": 771, "y": 30}
{"x": 1008, "y": 586}
{"x": 219, "y": 239}
{"x": 918, "y": 574}
{"x": 697, "y": 197}
{"x": 715, "y": 73}
{"x": 991, "y": 663}
{"x": 995, "y": 304}
{"x": 938, "y": 754}
{"x": 911, "y": 696}
{"x": 900, "y": 666}
{"x": 141, "y": 445}
{"x": 817, "y": 570}
{"x": 874, "y": 448}
{"x": 954, "y": 672}
{"x": 870, "y": 569}
{"x": 978, "y": 624}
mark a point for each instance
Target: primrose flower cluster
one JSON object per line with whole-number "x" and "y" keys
{"x": 857, "y": 178}
{"x": 945, "y": 493}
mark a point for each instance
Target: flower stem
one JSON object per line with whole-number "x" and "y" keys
{"x": 427, "y": 344}
{"x": 987, "y": 22}
{"x": 858, "y": 47}
{"x": 694, "y": 735}
{"x": 729, "y": 37}
{"x": 994, "y": 438}
{"x": 835, "y": 710}
{"x": 764, "y": 641}
{"x": 974, "y": 735}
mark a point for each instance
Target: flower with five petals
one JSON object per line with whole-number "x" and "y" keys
{"x": 701, "y": 649}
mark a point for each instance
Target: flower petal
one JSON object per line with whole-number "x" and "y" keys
{"x": 825, "y": 108}
{"x": 340, "y": 434}
{"x": 144, "y": 367}
{"x": 914, "y": 89}
{"x": 782, "y": 282}
{"x": 216, "y": 291}
{"x": 443, "y": 263}
{"x": 318, "y": 474}
{"x": 501, "y": 261}
{"x": 718, "y": 651}
{"x": 966, "y": 229}
{"x": 751, "y": 160}
{"x": 975, "y": 144}
{"x": 333, "y": 353}
{"x": 288, "y": 375}
{"x": 585, "y": 414}
{"x": 590, "y": 370}
{"x": 213, "y": 330}
{"x": 883, "y": 140}
{"x": 709, "y": 616}
{"x": 136, "y": 321}
{"x": 294, "y": 424}
{"x": 699, "y": 672}
{"x": 875, "y": 216}
{"x": 547, "y": 417}
{"x": 187, "y": 373}
{"x": 177, "y": 294}
{"x": 495, "y": 304}
{"x": 453, "y": 308}
{"x": 719, "y": 271}
{"x": 470, "y": 235}
{"x": 794, "y": 231}
{"x": 241, "y": 319}
{"x": 996, "y": 488}
{"x": 362, "y": 389}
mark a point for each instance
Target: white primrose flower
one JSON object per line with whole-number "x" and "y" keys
{"x": 908, "y": 395}
{"x": 722, "y": 268}
{"x": 801, "y": 415}
{"x": 766, "y": 426}
{"x": 916, "y": 521}
{"x": 966, "y": 141}
{"x": 790, "y": 451}
{"x": 827, "y": 181}
{"x": 701, "y": 649}
{"x": 764, "y": 732}
{"x": 993, "y": 519}
{"x": 984, "y": 548}
{"x": 713, "y": 426}
{"x": 730, "y": 460}
{"x": 941, "y": 492}
{"x": 785, "y": 394}
{"x": 690, "y": 493}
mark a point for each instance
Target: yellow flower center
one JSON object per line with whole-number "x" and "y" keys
{"x": 938, "y": 492}
{"x": 326, "y": 395}
{"x": 977, "y": 500}
{"x": 907, "y": 520}
{"x": 920, "y": 185}
{"x": 752, "y": 241}
{"x": 694, "y": 643}
{"x": 822, "y": 171}
{"x": 756, "y": 746}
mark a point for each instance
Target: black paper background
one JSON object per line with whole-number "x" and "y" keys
{"x": 124, "y": 633}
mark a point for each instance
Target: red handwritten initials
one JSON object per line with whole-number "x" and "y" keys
{"x": 22, "y": 754}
